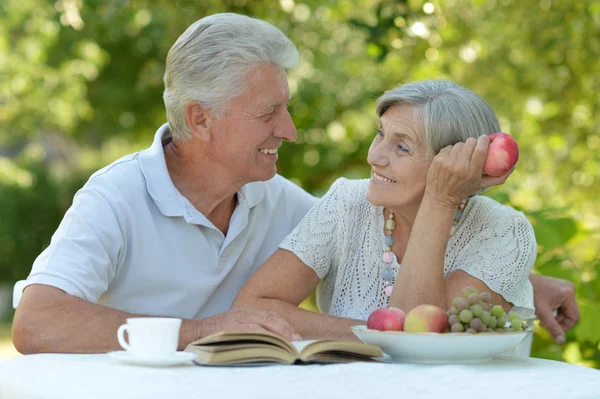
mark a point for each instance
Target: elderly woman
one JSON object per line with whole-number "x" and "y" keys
{"x": 416, "y": 225}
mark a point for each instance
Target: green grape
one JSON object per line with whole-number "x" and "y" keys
{"x": 473, "y": 298}
{"x": 456, "y": 300}
{"x": 488, "y": 306}
{"x": 485, "y": 297}
{"x": 489, "y": 330}
{"x": 462, "y": 304}
{"x": 493, "y": 322}
{"x": 497, "y": 311}
{"x": 499, "y": 330}
{"x": 470, "y": 331}
{"x": 466, "y": 316}
{"x": 453, "y": 310}
{"x": 501, "y": 322}
{"x": 513, "y": 316}
{"x": 477, "y": 310}
{"x": 468, "y": 291}
{"x": 452, "y": 319}
{"x": 516, "y": 324}
{"x": 506, "y": 329}
{"x": 485, "y": 317}
{"x": 457, "y": 328}
{"x": 476, "y": 324}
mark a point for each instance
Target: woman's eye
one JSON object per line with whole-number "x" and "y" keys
{"x": 403, "y": 148}
{"x": 380, "y": 133}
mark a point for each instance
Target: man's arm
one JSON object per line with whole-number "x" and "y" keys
{"x": 553, "y": 294}
{"x": 50, "y": 320}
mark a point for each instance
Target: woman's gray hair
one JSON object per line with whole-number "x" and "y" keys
{"x": 448, "y": 112}
{"x": 209, "y": 60}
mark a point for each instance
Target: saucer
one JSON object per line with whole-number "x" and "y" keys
{"x": 173, "y": 360}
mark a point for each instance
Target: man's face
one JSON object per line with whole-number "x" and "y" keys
{"x": 246, "y": 140}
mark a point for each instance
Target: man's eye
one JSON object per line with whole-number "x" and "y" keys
{"x": 380, "y": 133}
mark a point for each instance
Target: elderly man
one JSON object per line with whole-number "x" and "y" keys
{"x": 177, "y": 229}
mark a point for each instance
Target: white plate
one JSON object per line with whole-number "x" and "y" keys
{"x": 177, "y": 358}
{"x": 436, "y": 348}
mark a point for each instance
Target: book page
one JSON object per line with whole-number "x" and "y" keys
{"x": 300, "y": 345}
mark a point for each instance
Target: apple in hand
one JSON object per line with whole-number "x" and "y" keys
{"x": 502, "y": 155}
{"x": 426, "y": 318}
{"x": 386, "y": 319}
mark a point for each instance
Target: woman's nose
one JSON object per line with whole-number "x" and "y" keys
{"x": 377, "y": 156}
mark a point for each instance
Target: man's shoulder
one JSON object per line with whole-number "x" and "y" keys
{"x": 123, "y": 176}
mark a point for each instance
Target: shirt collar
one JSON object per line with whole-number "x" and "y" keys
{"x": 161, "y": 188}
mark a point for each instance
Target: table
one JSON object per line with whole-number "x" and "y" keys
{"x": 51, "y": 376}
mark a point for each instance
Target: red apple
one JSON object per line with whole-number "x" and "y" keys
{"x": 386, "y": 319}
{"x": 502, "y": 155}
{"x": 426, "y": 318}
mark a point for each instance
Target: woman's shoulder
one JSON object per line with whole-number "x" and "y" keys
{"x": 349, "y": 195}
{"x": 350, "y": 187}
{"x": 492, "y": 213}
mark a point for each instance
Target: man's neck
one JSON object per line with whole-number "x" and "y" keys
{"x": 212, "y": 194}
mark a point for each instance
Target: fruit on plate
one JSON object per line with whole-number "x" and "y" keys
{"x": 386, "y": 319}
{"x": 426, "y": 318}
{"x": 474, "y": 312}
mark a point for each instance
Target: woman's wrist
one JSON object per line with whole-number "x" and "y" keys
{"x": 441, "y": 202}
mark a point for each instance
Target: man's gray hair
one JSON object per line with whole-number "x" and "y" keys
{"x": 209, "y": 60}
{"x": 448, "y": 112}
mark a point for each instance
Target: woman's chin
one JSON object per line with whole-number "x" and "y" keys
{"x": 375, "y": 198}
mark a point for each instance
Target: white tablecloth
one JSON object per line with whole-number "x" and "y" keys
{"x": 97, "y": 376}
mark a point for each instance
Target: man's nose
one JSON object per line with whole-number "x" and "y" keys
{"x": 286, "y": 130}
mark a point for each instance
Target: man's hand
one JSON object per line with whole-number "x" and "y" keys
{"x": 550, "y": 294}
{"x": 245, "y": 318}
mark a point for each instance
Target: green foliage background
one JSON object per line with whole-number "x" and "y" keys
{"x": 81, "y": 85}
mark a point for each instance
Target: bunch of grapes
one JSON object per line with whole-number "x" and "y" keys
{"x": 474, "y": 313}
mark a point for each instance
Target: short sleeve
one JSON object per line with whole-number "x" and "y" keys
{"x": 84, "y": 251}
{"x": 501, "y": 253}
{"x": 316, "y": 239}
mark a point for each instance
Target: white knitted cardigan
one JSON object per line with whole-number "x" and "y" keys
{"x": 342, "y": 240}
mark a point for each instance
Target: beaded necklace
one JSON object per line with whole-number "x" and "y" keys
{"x": 390, "y": 224}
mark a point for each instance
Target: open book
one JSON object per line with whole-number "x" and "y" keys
{"x": 230, "y": 348}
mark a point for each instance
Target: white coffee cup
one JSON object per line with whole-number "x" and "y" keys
{"x": 150, "y": 337}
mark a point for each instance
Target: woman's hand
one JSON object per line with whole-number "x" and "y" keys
{"x": 456, "y": 172}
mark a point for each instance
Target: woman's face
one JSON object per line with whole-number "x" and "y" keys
{"x": 398, "y": 159}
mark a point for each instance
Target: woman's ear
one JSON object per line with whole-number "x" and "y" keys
{"x": 198, "y": 120}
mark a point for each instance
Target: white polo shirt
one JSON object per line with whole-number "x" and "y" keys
{"x": 132, "y": 242}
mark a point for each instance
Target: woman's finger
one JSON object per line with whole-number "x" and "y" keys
{"x": 455, "y": 151}
{"x": 496, "y": 181}
{"x": 479, "y": 154}
{"x": 466, "y": 153}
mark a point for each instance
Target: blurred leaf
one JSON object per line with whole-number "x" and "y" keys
{"x": 588, "y": 328}
{"x": 552, "y": 233}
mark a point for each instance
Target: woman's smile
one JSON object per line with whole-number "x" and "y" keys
{"x": 377, "y": 178}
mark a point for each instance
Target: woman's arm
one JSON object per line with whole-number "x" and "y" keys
{"x": 455, "y": 173}
{"x": 280, "y": 285}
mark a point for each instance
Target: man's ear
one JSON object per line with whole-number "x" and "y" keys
{"x": 198, "y": 120}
